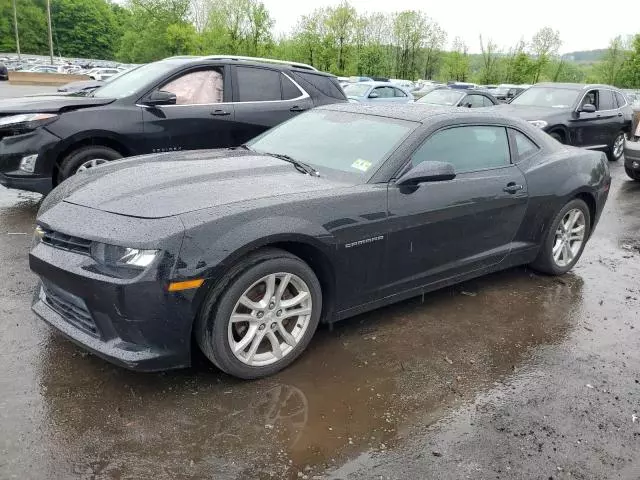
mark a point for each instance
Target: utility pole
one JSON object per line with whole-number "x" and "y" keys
{"x": 15, "y": 26}
{"x": 50, "y": 36}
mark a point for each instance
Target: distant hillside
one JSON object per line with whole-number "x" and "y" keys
{"x": 586, "y": 55}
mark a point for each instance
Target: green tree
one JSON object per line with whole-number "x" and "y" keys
{"x": 630, "y": 72}
{"x": 32, "y": 26}
{"x": 457, "y": 61}
{"x": 544, "y": 45}
{"x": 489, "y": 73}
{"x": 613, "y": 61}
{"x": 84, "y": 28}
{"x": 340, "y": 23}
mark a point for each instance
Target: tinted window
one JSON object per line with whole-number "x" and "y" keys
{"x": 289, "y": 90}
{"x": 620, "y": 99}
{"x": 474, "y": 100}
{"x": 399, "y": 93}
{"x": 487, "y": 102}
{"x": 258, "y": 84}
{"x": 524, "y": 146}
{"x": 328, "y": 86}
{"x": 347, "y": 142}
{"x": 466, "y": 148}
{"x": 200, "y": 87}
{"x": 607, "y": 101}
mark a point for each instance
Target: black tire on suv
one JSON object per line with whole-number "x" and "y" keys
{"x": 83, "y": 155}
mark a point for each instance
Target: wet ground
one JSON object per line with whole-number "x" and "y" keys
{"x": 7, "y": 90}
{"x": 510, "y": 376}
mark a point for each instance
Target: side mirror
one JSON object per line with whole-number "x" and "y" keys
{"x": 374, "y": 94}
{"x": 160, "y": 97}
{"x": 427, "y": 172}
{"x": 588, "y": 108}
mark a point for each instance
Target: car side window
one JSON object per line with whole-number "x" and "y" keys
{"x": 197, "y": 87}
{"x": 590, "y": 98}
{"x": 468, "y": 148}
{"x": 474, "y": 101}
{"x": 606, "y": 100}
{"x": 620, "y": 99}
{"x": 524, "y": 146}
{"x": 289, "y": 90}
{"x": 487, "y": 102}
{"x": 384, "y": 92}
{"x": 258, "y": 84}
{"x": 399, "y": 93}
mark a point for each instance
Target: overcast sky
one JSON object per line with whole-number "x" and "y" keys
{"x": 503, "y": 21}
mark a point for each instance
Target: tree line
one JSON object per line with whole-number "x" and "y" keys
{"x": 407, "y": 44}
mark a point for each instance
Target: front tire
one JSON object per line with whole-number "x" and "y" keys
{"x": 565, "y": 240}
{"x": 616, "y": 149}
{"x": 632, "y": 174}
{"x": 86, "y": 157}
{"x": 261, "y": 315}
{"x": 557, "y": 136}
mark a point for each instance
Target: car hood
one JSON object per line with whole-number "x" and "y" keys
{"x": 48, "y": 104}
{"x": 527, "y": 112}
{"x": 164, "y": 185}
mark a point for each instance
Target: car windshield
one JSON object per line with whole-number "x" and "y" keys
{"x": 547, "y": 97}
{"x": 133, "y": 81}
{"x": 328, "y": 140}
{"x": 442, "y": 97}
{"x": 356, "y": 89}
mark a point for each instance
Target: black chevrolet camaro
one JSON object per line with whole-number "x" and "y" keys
{"x": 338, "y": 211}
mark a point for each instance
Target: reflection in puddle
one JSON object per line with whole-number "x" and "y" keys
{"x": 360, "y": 387}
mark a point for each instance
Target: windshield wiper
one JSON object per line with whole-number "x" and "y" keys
{"x": 300, "y": 166}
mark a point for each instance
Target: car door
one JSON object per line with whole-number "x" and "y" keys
{"x": 444, "y": 229}
{"x": 610, "y": 115}
{"x": 590, "y": 129}
{"x": 263, "y": 98}
{"x": 201, "y": 118}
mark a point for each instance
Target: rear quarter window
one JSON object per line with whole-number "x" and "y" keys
{"x": 328, "y": 86}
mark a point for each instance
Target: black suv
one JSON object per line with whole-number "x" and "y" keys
{"x": 590, "y": 116}
{"x": 180, "y": 103}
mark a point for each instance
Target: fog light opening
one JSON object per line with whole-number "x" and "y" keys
{"x": 635, "y": 165}
{"x": 28, "y": 163}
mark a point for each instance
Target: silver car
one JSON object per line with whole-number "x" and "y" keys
{"x": 377, "y": 92}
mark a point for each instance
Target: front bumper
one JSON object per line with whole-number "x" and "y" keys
{"x": 133, "y": 322}
{"x": 632, "y": 155}
{"x": 13, "y": 148}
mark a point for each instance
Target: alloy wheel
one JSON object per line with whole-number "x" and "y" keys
{"x": 94, "y": 162}
{"x": 569, "y": 237}
{"x": 269, "y": 319}
{"x": 618, "y": 146}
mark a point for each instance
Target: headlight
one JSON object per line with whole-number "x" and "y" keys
{"x": 115, "y": 256}
{"x": 38, "y": 235}
{"x": 27, "y": 121}
{"x": 538, "y": 123}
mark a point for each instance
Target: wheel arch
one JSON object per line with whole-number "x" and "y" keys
{"x": 590, "y": 200}
{"x": 87, "y": 139}
{"x": 308, "y": 249}
{"x": 562, "y": 131}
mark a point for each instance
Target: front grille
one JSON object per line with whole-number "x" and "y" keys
{"x": 66, "y": 242}
{"x": 71, "y": 308}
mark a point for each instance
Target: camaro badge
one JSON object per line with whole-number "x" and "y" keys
{"x": 363, "y": 242}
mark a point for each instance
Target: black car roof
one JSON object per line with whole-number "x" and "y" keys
{"x": 186, "y": 59}
{"x": 415, "y": 112}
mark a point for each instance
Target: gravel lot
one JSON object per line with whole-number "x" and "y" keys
{"x": 511, "y": 376}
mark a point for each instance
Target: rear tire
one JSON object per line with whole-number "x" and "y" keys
{"x": 546, "y": 262}
{"x": 81, "y": 156}
{"x": 616, "y": 149}
{"x": 220, "y": 338}
{"x": 557, "y": 136}
{"x": 633, "y": 174}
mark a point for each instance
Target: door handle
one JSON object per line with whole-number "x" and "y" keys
{"x": 512, "y": 188}
{"x": 220, "y": 113}
{"x": 296, "y": 108}
{"x": 619, "y": 114}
